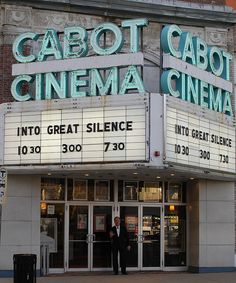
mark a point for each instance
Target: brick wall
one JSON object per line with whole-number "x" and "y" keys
{"x": 6, "y": 61}
{"x": 231, "y": 3}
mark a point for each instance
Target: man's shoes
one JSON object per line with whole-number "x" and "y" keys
{"x": 124, "y": 273}
{"x": 115, "y": 273}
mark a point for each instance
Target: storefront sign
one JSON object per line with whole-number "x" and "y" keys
{"x": 68, "y": 74}
{"x": 196, "y": 141}
{"x": 195, "y": 72}
{"x": 101, "y": 134}
{"x": 3, "y": 185}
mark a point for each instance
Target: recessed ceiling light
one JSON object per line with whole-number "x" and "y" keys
{"x": 135, "y": 173}
{"x": 86, "y": 174}
{"x": 191, "y": 178}
{"x": 172, "y": 174}
{"x": 158, "y": 177}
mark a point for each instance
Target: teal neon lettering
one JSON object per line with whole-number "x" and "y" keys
{"x": 132, "y": 81}
{"x": 167, "y": 34}
{"x": 54, "y": 87}
{"x": 215, "y": 98}
{"x": 134, "y": 26}
{"x": 192, "y": 89}
{"x": 166, "y": 79}
{"x": 76, "y": 83}
{"x": 18, "y": 47}
{"x": 215, "y": 61}
{"x": 16, "y": 88}
{"x": 227, "y": 57}
{"x": 51, "y": 46}
{"x": 99, "y": 31}
{"x": 39, "y": 84}
{"x": 200, "y": 50}
{"x": 70, "y": 42}
{"x": 98, "y": 87}
{"x": 227, "y": 107}
{"x": 186, "y": 48}
{"x": 203, "y": 94}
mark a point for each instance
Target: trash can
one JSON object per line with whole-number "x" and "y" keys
{"x": 24, "y": 268}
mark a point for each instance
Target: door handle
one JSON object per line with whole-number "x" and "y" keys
{"x": 88, "y": 238}
{"x": 93, "y": 238}
{"x": 140, "y": 238}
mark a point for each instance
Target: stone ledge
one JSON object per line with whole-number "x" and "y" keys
{"x": 164, "y": 9}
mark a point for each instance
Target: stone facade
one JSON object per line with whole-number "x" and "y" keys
{"x": 212, "y": 2}
{"x": 15, "y": 19}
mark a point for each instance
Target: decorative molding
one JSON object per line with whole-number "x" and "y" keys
{"x": 10, "y": 32}
{"x": 87, "y": 21}
{"x": 17, "y": 15}
{"x": 48, "y": 19}
{"x": 216, "y": 36}
{"x": 152, "y": 57}
{"x": 195, "y": 31}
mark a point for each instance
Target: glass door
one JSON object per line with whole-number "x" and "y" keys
{"x": 143, "y": 223}
{"x": 151, "y": 237}
{"x": 89, "y": 245}
{"x": 129, "y": 216}
{"x": 101, "y": 244}
{"x": 175, "y": 236}
{"x": 79, "y": 237}
{"x": 52, "y": 236}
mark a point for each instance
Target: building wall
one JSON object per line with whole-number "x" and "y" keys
{"x": 231, "y": 3}
{"x": 20, "y": 226}
{"x": 18, "y": 19}
{"x": 211, "y": 205}
{"x": 213, "y": 2}
{"x": 6, "y": 60}
{"x": 211, "y": 226}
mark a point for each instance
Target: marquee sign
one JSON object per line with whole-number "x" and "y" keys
{"x": 195, "y": 72}
{"x": 64, "y": 70}
{"x": 97, "y": 134}
{"x": 193, "y": 140}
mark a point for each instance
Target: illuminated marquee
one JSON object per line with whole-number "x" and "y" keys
{"x": 70, "y": 80}
{"x": 84, "y": 135}
{"x": 195, "y": 72}
{"x": 197, "y": 141}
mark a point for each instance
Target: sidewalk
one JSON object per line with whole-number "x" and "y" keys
{"x": 138, "y": 277}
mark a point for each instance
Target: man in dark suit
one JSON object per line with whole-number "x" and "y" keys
{"x": 119, "y": 243}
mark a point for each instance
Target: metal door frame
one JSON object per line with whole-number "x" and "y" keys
{"x": 90, "y": 237}
{"x": 140, "y": 246}
{"x": 109, "y": 204}
{"x": 160, "y": 206}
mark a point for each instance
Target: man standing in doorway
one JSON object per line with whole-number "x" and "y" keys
{"x": 119, "y": 243}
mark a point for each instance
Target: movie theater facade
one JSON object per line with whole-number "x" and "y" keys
{"x": 126, "y": 117}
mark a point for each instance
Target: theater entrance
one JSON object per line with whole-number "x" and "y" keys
{"x": 78, "y": 225}
{"x": 144, "y": 224}
{"x": 89, "y": 247}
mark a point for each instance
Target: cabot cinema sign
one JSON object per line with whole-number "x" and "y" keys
{"x": 195, "y": 72}
{"x": 192, "y": 71}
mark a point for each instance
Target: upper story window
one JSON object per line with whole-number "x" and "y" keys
{"x": 174, "y": 192}
{"x": 151, "y": 191}
{"x": 52, "y": 189}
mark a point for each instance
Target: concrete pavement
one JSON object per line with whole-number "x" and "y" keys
{"x": 137, "y": 277}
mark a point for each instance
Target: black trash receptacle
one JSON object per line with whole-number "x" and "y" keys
{"x": 24, "y": 268}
